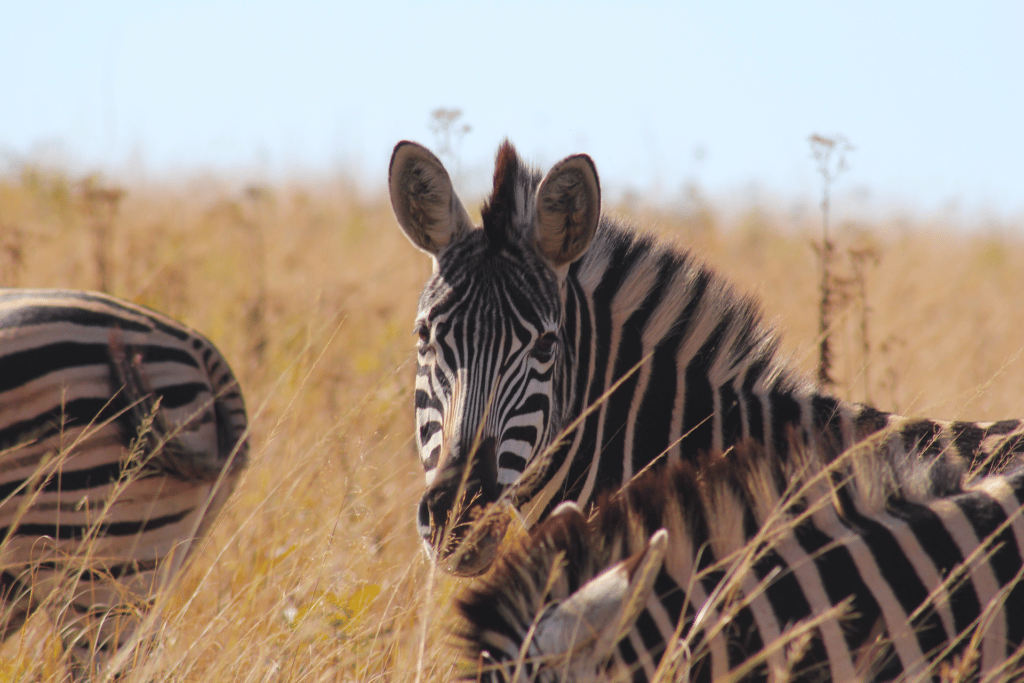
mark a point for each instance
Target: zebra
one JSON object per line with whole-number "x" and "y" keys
{"x": 560, "y": 354}
{"x": 122, "y": 433}
{"x": 712, "y": 572}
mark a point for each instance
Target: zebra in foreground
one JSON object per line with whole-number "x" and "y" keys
{"x": 122, "y": 433}
{"x": 711, "y": 573}
{"x": 561, "y": 354}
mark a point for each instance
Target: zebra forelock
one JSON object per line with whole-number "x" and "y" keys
{"x": 508, "y": 214}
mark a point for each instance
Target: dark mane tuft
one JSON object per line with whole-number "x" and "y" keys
{"x": 498, "y": 210}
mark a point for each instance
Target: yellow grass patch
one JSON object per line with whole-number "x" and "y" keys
{"x": 314, "y": 571}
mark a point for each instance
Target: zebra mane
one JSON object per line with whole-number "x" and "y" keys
{"x": 688, "y": 296}
{"x": 711, "y": 510}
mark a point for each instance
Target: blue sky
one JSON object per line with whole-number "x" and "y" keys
{"x": 931, "y": 94}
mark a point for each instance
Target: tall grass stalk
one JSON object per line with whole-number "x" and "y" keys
{"x": 101, "y": 204}
{"x": 830, "y": 155}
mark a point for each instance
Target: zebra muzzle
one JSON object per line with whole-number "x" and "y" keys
{"x": 459, "y": 517}
{"x": 479, "y": 541}
{"x": 467, "y": 548}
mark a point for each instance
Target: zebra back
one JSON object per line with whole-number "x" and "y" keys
{"x": 122, "y": 433}
{"x": 713, "y": 572}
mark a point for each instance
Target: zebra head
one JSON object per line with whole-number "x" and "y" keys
{"x": 552, "y": 612}
{"x": 489, "y": 326}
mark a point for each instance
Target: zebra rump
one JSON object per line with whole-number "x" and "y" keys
{"x": 122, "y": 433}
{"x": 745, "y": 569}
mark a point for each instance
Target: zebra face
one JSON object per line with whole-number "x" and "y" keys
{"x": 487, "y": 351}
{"x": 488, "y": 327}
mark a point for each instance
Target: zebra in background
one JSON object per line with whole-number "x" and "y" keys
{"x": 561, "y": 354}
{"x": 122, "y": 433}
{"x": 712, "y": 573}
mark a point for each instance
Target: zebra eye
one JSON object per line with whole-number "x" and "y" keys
{"x": 544, "y": 347}
{"x": 423, "y": 332}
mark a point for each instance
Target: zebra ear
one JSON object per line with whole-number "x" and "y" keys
{"x": 600, "y": 614}
{"x": 568, "y": 210}
{"x": 643, "y": 570}
{"x": 567, "y": 507}
{"x": 423, "y": 198}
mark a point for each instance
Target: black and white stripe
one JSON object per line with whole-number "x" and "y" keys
{"x": 736, "y": 579}
{"x": 122, "y": 432}
{"x": 561, "y": 354}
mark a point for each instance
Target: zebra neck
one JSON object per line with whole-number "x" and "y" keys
{"x": 665, "y": 361}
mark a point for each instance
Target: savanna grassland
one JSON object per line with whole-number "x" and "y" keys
{"x": 314, "y": 571}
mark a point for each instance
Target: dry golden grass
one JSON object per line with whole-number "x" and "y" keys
{"x": 314, "y": 569}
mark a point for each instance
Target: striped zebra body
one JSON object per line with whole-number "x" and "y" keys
{"x": 561, "y": 354}
{"x": 122, "y": 432}
{"x": 713, "y": 574}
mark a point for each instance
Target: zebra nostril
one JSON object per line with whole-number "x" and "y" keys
{"x": 423, "y": 519}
